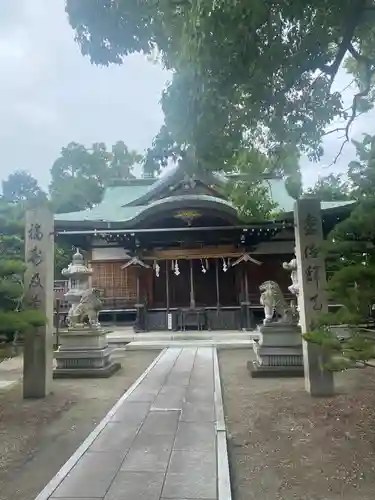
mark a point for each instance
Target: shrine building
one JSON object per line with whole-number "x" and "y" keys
{"x": 172, "y": 253}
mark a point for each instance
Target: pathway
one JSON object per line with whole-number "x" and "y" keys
{"x": 164, "y": 439}
{"x": 10, "y": 372}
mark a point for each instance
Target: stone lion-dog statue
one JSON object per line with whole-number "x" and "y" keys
{"x": 87, "y": 310}
{"x": 273, "y": 301}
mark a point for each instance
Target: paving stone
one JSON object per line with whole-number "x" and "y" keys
{"x": 172, "y": 391}
{"x": 150, "y": 458}
{"x": 200, "y": 395}
{"x": 192, "y": 462}
{"x": 131, "y": 413}
{"x": 170, "y": 397}
{"x": 194, "y": 435}
{"x": 193, "y": 412}
{"x": 91, "y": 477}
{"x": 116, "y": 436}
{"x": 181, "y": 380}
{"x": 161, "y": 422}
{"x": 145, "y": 439}
{"x": 143, "y": 396}
{"x": 185, "y": 485}
{"x": 136, "y": 485}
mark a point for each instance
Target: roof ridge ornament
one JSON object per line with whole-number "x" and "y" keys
{"x": 246, "y": 257}
{"x": 135, "y": 261}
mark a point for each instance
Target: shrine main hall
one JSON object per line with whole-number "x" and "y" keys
{"x": 173, "y": 254}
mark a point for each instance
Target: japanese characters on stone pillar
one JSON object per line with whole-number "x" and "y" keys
{"x": 312, "y": 291}
{"x": 39, "y": 257}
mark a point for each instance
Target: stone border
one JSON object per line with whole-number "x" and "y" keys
{"x": 223, "y": 476}
{"x": 72, "y": 461}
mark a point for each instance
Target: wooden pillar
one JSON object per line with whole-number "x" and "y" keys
{"x": 247, "y": 297}
{"x": 39, "y": 257}
{"x": 312, "y": 298}
{"x": 217, "y": 284}
{"x": 137, "y": 270}
{"x": 246, "y": 281}
{"x": 167, "y": 284}
{"x": 192, "y": 296}
{"x": 140, "y": 323}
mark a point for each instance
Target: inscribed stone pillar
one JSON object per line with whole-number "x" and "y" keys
{"x": 39, "y": 257}
{"x": 312, "y": 291}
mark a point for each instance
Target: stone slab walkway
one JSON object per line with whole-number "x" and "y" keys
{"x": 159, "y": 442}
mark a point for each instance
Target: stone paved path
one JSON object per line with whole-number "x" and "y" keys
{"x": 159, "y": 444}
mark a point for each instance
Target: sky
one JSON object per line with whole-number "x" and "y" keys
{"x": 51, "y": 95}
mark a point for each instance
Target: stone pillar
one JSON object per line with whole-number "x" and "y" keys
{"x": 312, "y": 292}
{"x": 39, "y": 256}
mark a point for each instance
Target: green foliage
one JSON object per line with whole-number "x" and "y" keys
{"x": 163, "y": 150}
{"x": 247, "y": 187}
{"x": 354, "y": 351}
{"x": 361, "y": 173}
{"x": 331, "y": 188}
{"x": 13, "y": 317}
{"x": 243, "y": 71}
{"x": 350, "y": 253}
{"x": 21, "y": 187}
{"x": 63, "y": 257}
{"x": 79, "y": 175}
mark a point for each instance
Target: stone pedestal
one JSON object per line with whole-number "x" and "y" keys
{"x": 279, "y": 352}
{"x": 83, "y": 353}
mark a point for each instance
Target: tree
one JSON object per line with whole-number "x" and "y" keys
{"x": 14, "y": 317}
{"x": 331, "y": 188}
{"x": 80, "y": 175}
{"x": 361, "y": 172}
{"x": 350, "y": 252}
{"x": 22, "y": 187}
{"x": 248, "y": 187}
{"x": 122, "y": 162}
{"x": 258, "y": 71}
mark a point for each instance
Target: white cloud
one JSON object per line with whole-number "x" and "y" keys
{"x": 51, "y": 95}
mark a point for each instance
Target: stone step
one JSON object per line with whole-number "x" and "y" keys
{"x": 162, "y": 344}
{"x": 119, "y": 338}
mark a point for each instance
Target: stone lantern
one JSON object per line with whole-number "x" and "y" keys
{"x": 83, "y": 349}
{"x": 78, "y": 275}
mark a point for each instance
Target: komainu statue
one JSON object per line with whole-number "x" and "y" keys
{"x": 273, "y": 301}
{"x": 87, "y": 310}
{"x": 292, "y": 266}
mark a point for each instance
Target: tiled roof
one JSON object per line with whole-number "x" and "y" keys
{"x": 125, "y": 202}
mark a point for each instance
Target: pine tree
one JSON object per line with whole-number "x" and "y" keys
{"x": 351, "y": 261}
{"x": 14, "y": 318}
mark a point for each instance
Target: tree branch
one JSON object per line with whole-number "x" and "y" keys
{"x": 370, "y": 71}
{"x": 353, "y": 19}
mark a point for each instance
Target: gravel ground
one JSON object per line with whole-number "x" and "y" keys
{"x": 285, "y": 445}
{"x": 38, "y": 436}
